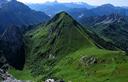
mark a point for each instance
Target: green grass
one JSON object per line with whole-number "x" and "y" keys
{"x": 68, "y": 42}
{"x": 71, "y": 69}
{"x": 22, "y": 75}
{"x": 25, "y": 75}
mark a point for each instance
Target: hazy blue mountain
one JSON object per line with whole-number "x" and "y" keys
{"x": 18, "y": 14}
{"x": 108, "y": 21}
{"x": 52, "y": 8}
{"x": 107, "y": 9}
{"x": 79, "y": 13}
{"x": 78, "y": 5}
{"x": 112, "y": 28}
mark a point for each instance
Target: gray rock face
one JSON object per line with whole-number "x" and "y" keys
{"x": 12, "y": 46}
{"x": 10, "y": 80}
{"x": 8, "y": 77}
{"x": 5, "y": 75}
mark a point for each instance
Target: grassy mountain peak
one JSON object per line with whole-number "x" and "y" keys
{"x": 60, "y": 36}
{"x": 63, "y": 16}
{"x": 62, "y": 33}
{"x": 62, "y": 49}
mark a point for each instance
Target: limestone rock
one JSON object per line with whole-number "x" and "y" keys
{"x": 88, "y": 60}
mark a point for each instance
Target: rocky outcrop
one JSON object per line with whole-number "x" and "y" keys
{"x": 52, "y": 80}
{"x": 88, "y": 60}
{"x": 8, "y": 77}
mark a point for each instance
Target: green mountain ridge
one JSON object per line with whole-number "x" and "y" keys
{"x": 60, "y": 36}
{"x": 62, "y": 49}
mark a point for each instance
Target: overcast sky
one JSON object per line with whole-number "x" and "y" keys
{"x": 92, "y": 2}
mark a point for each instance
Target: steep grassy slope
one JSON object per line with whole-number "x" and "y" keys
{"x": 110, "y": 66}
{"x": 62, "y": 49}
{"x": 62, "y": 35}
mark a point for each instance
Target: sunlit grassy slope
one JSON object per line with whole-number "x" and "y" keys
{"x": 56, "y": 50}
{"x": 70, "y": 68}
{"x": 111, "y": 66}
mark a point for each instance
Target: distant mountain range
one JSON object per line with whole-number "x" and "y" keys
{"x": 108, "y": 21}
{"x": 112, "y": 28}
{"x": 52, "y": 8}
{"x": 78, "y": 10}
{"x": 17, "y": 14}
{"x": 80, "y": 14}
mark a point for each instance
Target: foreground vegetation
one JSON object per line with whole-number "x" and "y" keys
{"x": 110, "y": 66}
